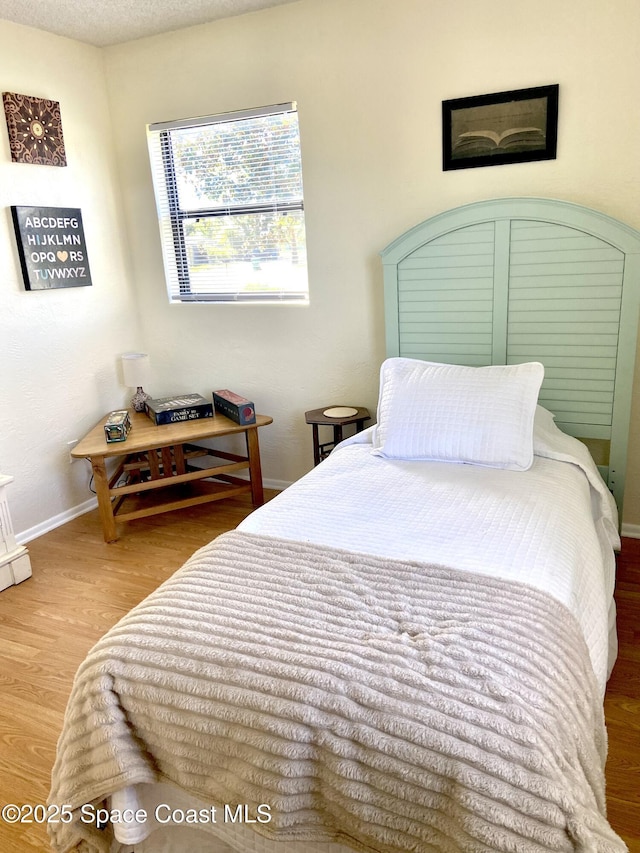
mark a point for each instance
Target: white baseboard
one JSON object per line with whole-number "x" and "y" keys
{"x": 55, "y": 521}
{"x": 92, "y": 503}
{"x": 631, "y": 530}
{"x": 281, "y": 485}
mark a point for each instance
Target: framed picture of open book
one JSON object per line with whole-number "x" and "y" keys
{"x": 506, "y": 127}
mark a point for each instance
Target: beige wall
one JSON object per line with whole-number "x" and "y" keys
{"x": 58, "y": 348}
{"x": 369, "y": 77}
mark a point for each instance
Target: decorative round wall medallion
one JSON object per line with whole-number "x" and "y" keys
{"x": 35, "y": 130}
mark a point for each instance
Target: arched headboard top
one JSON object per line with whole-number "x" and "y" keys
{"x": 527, "y": 279}
{"x": 545, "y": 210}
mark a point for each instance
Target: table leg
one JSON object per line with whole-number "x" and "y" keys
{"x": 255, "y": 469}
{"x": 316, "y": 444}
{"x": 101, "y": 482}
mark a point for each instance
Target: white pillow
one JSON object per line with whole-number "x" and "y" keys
{"x": 452, "y": 413}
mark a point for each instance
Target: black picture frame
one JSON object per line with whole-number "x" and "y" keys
{"x": 51, "y": 247}
{"x": 517, "y": 126}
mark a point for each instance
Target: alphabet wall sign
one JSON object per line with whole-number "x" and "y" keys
{"x": 51, "y": 246}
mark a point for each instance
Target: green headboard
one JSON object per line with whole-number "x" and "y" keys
{"x": 527, "y": 279}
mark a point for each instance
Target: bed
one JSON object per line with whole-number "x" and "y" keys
{"x": 408, "y": 648}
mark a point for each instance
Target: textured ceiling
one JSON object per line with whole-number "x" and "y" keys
{"x": 105, "y": 22}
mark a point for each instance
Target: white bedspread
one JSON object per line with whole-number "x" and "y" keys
{"x": 552, "y": 527}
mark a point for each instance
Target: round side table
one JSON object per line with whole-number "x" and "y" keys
{"x": 317, "y": 417}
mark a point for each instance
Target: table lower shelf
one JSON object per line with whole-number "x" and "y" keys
{"x": 141, "y": 504}
{"x": 148, "y": 482}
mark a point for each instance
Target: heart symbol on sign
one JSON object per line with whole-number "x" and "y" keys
{"x": 62, "y": 256}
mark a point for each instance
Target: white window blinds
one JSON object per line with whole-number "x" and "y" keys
{"x": 230, "y": 206}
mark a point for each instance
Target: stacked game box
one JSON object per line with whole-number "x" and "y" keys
{"x": 181, "y": 407}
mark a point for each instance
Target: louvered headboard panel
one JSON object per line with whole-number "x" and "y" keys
{"x": 513, "y": 280}
{"x": 445, "y": 297}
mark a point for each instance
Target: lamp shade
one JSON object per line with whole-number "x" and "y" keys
{"x": 135, "y": 369}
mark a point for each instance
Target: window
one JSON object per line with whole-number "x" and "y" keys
{"x": 230, "y": 206}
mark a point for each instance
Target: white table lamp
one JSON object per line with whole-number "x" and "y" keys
{"x": 135, "y": 370}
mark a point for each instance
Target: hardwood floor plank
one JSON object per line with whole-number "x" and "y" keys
{"x": 82, "y": 586}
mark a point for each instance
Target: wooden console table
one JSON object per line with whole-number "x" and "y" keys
{"x": 161, "y": 457}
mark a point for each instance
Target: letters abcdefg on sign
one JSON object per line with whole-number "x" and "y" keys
{"x": 51, "y": 246}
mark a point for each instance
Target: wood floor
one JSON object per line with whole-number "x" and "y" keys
{"x": 622, "y": 703}
{"x": 81, "y": 586}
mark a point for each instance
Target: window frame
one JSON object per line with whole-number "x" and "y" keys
{"x": 160, "y": 138}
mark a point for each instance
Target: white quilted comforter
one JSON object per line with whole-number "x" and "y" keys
{"x": 553, "y": 527}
